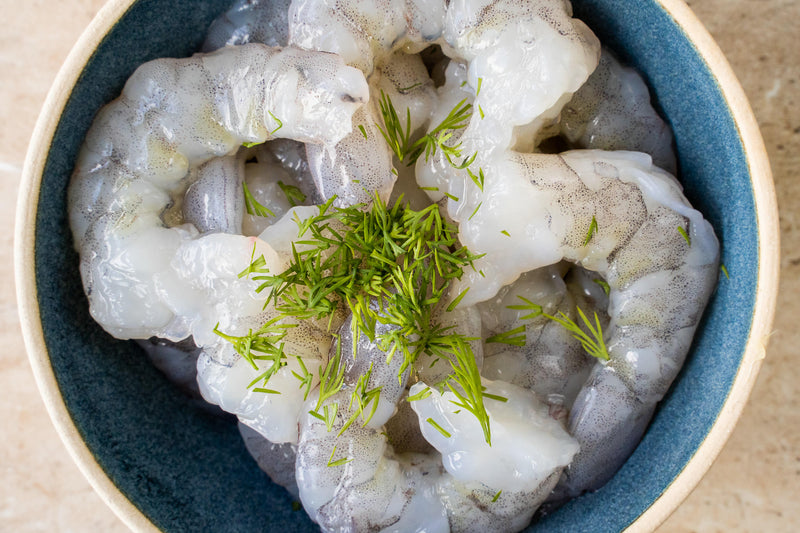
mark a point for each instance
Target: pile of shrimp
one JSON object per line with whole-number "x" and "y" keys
{"x": 285, "y": 94}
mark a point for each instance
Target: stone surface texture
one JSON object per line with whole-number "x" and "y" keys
{"x": 752, "y": 486}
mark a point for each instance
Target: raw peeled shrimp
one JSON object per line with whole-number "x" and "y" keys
{"x": 515, "y": 51}
{"x": 659, "y": 283}
{"x": 276, "y": 460}
{"x": 365, "y": 33}
{"x": 535, "y": 210}
{"x": 360, "y": 165}
{"x": 143, "y": 216}
{"x": 612, "y": 111}
{"x": 352, "y": 480}
{"x": 214, "y": 202}
{"x": 173, "y": 116}
{"x": 250, "y": 21}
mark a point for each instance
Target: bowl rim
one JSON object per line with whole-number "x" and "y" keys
{"x": 755, "y": 349}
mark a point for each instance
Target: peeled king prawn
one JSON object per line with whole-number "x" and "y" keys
{"x": 535, "y": 210}
{"x": 173, "y": 116}
{"x": 659, "y": 281}
{"x": 350, "y": 479}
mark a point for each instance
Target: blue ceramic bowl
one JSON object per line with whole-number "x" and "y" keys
{"x": 161, "y": 460}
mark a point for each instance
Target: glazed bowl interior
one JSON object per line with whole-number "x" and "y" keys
{"x": 185, "y": 469}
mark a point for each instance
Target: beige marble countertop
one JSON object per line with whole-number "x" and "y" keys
{"x": 753, "y": 485}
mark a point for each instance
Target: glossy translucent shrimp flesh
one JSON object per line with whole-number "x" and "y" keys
{"x": 173, "y": 116}
{"x": 659, "y": 280}
{"x": 534, "y": 210}
{"x": 365, "y": 33}
{"x": 351, "y": 479}
{"x": 612, "y": 111}
{"x": 250, "y": 21}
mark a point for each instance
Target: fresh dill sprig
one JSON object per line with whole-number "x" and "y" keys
{"x": 398, "y": 139}
{"x": 421, "y": 395}
{"x": 338, "y": 462}
{"x": 514, "y": 337}
{"x": 293, "y": 194}
{"x": 252, "y": 206}
{"x": 497, "y": 496}
{"x": 437, "y": 138}
{"x": 405, "y": 89}
{"x": 535, "y": 309}
{"x": 724, "y": 271}
{"x": 603, "y": 285}
{"x": 439, "y": 428}
{"x": 452, "y": 197}
{"x": 389, "y": 266}
{"x": 277, "y": 120}
{"x": 475, "y": 211}
{"x": 592, "y": 341}
{"x": 591, "y": 232}
{"x": 362, "y": 398}
{"x": 331, "y": 379}
{"x": 261, "y": 344}
{"x": 465, "y": 384}
{"x": 398, "y": 135}
{"x": 457, "y": 300}
{"x": 305, "y": 379}
{"x": 684, "y": 235}
{"x": 477, "y": 179}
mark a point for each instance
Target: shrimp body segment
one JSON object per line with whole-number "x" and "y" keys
{"x": 659, "y": 281}
{"x": 173, "y": 116}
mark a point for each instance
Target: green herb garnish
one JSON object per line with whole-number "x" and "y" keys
{"x": 603, "y": 285}
{"x": 398, "y": 136}
{"x": 439, "y": 428}
{"x": 477, "y": 179}
{"x": 338, "y": 462}
{"x": 387, "y": 265}
{"x": 684, "y": 235}
{"x": 475, "y": 210}
{"x": 514, "y": 337}
{"x": 362, "y": 398}
{"x": 535, "y": 309}
{"x": 293, "y": 194}
{"x": 276, "y": 119}
{"x": 591, "y": 232}
{"x": 252, "y": 206}
{"x": 305, "y": 379}
{"x": 593, "y": 341}
{"x": 421, "y": 395}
